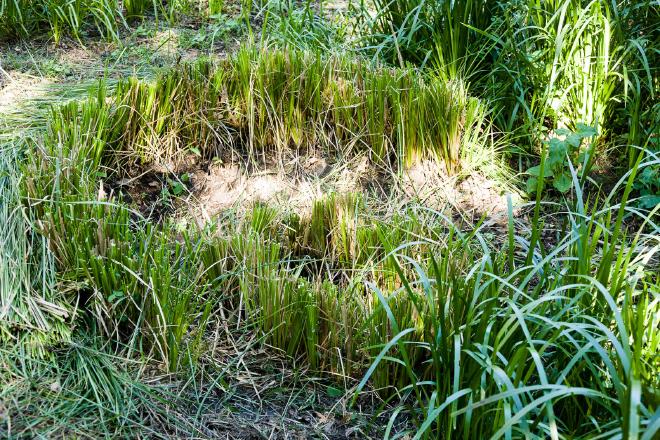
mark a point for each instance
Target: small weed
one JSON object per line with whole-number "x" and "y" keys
{"x": 178, "y": 186}
{"x": 36, "y": 64}
{"x": 220, "y": 30}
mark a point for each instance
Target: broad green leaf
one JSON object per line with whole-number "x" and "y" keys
{"x": 555, "y": 143}
{"x": 116, "y": 296}
{"x": 334, "y": 392}
{"x": 585, "y": 130}
{"x": 532, "y": 183}
{"x": 574, "y": 140}
{"x": 562, "y": 182}
{"x": 649, "y": 201}
{"x": 535, "y": 171}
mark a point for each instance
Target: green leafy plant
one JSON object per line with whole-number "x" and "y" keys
{"x": 283, "y": 100}
{"x": 219, "y": 29}
{"x": 564, "y": 147}
{"x": 648, "y": 185}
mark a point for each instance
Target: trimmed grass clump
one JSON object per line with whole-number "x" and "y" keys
{"x": 154, "y": 288}
{"x": 134, "y": 277}
{"x": 269, "y": 101}
{"x": 137, "y": 279}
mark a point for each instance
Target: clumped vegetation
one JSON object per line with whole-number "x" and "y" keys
{"x": 270, "y": 101}
{"x": 540, "y": 320}
{"x": 25, "y": 18}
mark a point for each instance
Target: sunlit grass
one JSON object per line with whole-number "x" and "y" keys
{"x": 542, "y": 325}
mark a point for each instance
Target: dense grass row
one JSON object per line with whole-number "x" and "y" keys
{"x": 268, "y": 101}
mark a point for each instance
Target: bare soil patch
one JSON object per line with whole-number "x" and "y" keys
{"x": 200, "y": 191}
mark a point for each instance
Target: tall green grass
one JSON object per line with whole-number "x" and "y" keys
{"x": 540, "y": 65}
{"x": 301, "y": 25}
{"x": 560, "y": 63}
{"x": 499, "y": 347}
{"x": 22, "y": 18}
{"x": 57, "y": 18}
{"x": 32, "y": 313}
{"x": 442, "y": 34}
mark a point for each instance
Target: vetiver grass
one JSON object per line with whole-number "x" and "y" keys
{"x": 462, "y": 320}
{"x": 538, "y": 337}
{"x": 271, "y": 100}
